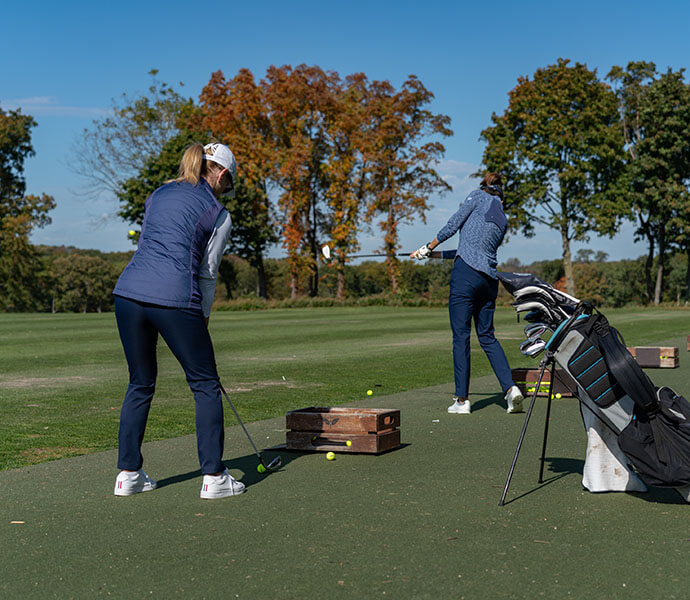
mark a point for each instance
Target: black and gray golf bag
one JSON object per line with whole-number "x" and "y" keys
{"x": 637, "y": 434}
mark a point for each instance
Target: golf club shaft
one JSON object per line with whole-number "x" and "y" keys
{"x": 222, "y": 389}
{"x": 379, "y": 255}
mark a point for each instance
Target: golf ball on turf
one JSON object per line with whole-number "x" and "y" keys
{"x": 132, "y": 232}
{"x": 348, "y": 443}
{"x": 261, "y": 469}
{"x": 370, "y": 392}
{"x": 330, "y": 456}
{"x": 558, "y": 396}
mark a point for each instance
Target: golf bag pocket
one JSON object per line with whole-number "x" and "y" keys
{"x": 588, "y": 367}
{"x": 658, "y": 445}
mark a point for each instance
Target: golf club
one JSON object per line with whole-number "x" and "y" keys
{"x": 535, "y": 330}
{"x": 326, "y": 251}
{"x": 532, "y": 347}
{"x": 271, "y": 466}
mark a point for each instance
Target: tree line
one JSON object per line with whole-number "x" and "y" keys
{"x": 76, "y": 280}
{"x": 323, "y": 158}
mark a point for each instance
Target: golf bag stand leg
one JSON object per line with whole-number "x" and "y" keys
{"x": 544, "y": 362}
{"x": 546, "y": 423}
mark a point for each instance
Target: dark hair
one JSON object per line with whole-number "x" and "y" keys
{"x": 492, "y": 183}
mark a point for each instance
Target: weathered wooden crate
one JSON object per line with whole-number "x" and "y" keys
{"x": 661, "y": 357}
{"x": 370, "y": 430}
{"x": 526, "y": 380}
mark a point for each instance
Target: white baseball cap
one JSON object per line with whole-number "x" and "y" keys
{"x": 221, "y": 154}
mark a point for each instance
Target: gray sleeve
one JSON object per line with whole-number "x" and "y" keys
{"x": 457, "y": 220}
{"x": 208, "y": 269}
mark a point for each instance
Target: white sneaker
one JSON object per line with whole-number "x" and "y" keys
{"x": 459, "y": 408}
{"x": 133, "y": 482}
{"x": 514, "y": 399}
{"x": 220, "y": 486}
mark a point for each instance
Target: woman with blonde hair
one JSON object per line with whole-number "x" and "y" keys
{"x": 168, "y": 288}
{"x": 474, "y": 286}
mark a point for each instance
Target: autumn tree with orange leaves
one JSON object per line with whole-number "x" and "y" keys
{"x": 346, "y": 172}
{"x": 234, "y": 112}
{"x": 339, "y": 154}
{"x": 301, "y": 102}
{"x": 401, "y": 163}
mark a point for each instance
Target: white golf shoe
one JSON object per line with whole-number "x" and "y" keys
{"x": 133, "y": 482}
{"x": 220, "y": 486}
{"x": 514, "y": 400}
{"x": 459, "y": 408}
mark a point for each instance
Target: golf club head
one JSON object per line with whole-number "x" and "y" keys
{"x": 532, "y": 347}
{"x": 326, "y": 251}
{"x": 276, "y": 463}
{"x": 535, "y": 330}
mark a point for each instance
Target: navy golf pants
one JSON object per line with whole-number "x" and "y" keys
{"x": 473, "y": 296}
{"x": 186, "y": 334}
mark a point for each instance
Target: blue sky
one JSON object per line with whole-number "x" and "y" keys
{"x": 64, "y": 62}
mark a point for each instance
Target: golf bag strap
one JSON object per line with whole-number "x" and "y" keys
{"x": 625, "y": 369}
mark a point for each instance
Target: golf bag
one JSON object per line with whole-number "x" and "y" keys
{"x": 629, "y": 422}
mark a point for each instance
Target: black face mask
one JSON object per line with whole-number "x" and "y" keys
{"x": 494, "y": 190}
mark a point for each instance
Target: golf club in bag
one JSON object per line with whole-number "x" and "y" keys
{"x": 276, "y": 463}
{"x": 630, "y": 422}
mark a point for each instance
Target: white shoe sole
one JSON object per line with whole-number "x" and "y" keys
{"x": 220, "y": 494}
{"x": 131, "y": 491}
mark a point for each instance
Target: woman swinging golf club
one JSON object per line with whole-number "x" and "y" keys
{"x": 474, "y": 287}
{"x": 168, "y": 288}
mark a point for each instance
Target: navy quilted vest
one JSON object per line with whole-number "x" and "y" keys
{"x": 178, "y": 223}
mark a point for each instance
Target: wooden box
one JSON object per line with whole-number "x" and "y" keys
{"x": 526, "y": 380}
{"x": 324, "y": 429}
{"x": 661, "y": 357}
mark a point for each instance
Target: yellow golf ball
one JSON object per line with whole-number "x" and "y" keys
{"x": 330, "y": 456}
{"x": 558, "y": 396}
{"x": 370, "y": 392}
{"x": 132, "y": 232}
{"x": 348, "y": 443}
{"x": 261, "y": 469}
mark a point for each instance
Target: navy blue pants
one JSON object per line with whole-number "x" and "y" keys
{"x": 186, "y": 334}
{"x": 473, "y": 296}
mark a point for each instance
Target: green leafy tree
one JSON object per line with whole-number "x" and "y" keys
{"x": 253, "y": 228}
{"x": 630, "y": 86}
{"x": 559, "y": 145}
{"x": 658, "y": 176}
{"x": 82, "y": 283}
{"x": 158, "y": 168}
{"x": 20, "y": 213}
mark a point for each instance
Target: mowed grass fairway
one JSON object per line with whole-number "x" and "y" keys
{"x": 62, "y": 377}
{"x": 418, "y": 522}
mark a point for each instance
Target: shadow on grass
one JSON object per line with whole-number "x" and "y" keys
{"x": 487, "y": 400}
{"x": 248, "y": 465}
{"x": 562, "y": 467}
{"x": 559, "y": 468}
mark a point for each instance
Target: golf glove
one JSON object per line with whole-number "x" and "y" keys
{"x": 423, "y": 253}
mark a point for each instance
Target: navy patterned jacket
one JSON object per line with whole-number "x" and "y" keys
{"x": 482, "y": 225}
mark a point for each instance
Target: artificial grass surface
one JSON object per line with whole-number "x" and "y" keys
{"x": 419, "y": 522}
{"x": 62, "y": 377}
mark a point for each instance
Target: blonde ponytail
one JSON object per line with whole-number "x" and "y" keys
{"x": 192, "y": 164}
